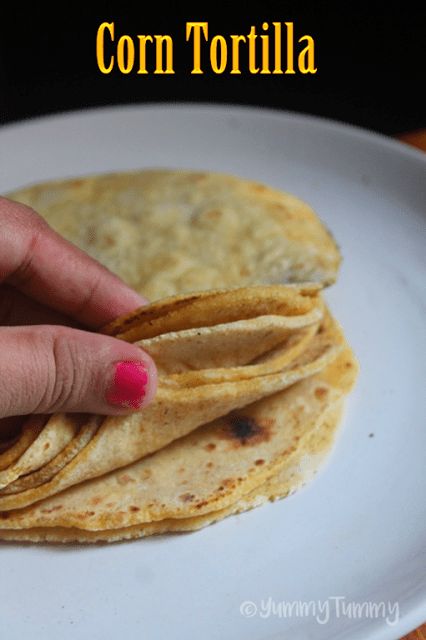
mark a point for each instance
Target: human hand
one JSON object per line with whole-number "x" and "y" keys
{"x": 49, "y": 292}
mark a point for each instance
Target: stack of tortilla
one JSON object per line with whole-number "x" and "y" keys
{"x": 252, "y": 374}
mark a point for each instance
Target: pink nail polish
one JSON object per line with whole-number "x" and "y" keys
{"x": 128, "y": 387}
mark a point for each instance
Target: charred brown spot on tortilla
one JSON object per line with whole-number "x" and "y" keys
{"x": 259, "y": 462}
{"x": 201, "y": 504}
{"x": 181, "y": 470}
{"x": 134, "y": 508}
{"x": 46, "y": 446}
{"x": 52, "y": 509}
{"x": 109, "y": 241}
{"x": 245, "y": 430}
{"x": 84, "y": 514}
{"x": 209, "y": 465}
{"x": 227, "y": 483}
{"x": 210, "y": 446}
{"x": 287, "y": 451}
{"x": 77, "y": 183}
{"x": 187, "y": 497}
{"x": 260, "y": 188}
{"x": 211, "y": 214}
{"x": 96, "y": 500}
{"x": 321, "y": 392}
{"x": 125, "y": 479}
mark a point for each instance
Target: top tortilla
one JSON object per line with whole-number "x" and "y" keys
{"x": 166, "y": 232}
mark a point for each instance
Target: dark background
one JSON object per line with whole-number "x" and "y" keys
{"x": 371, "y": 60}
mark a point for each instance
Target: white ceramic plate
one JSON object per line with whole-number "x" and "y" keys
{"x": 356, "y": 537}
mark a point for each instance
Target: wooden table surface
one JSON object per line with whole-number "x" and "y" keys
{"x": 416, "y": 139}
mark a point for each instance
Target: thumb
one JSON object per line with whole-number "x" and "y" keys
{"x": 44, "y": 369}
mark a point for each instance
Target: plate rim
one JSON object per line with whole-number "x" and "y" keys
{"x": 366, "y": 134}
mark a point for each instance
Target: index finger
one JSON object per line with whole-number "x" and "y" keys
{"x": 43, "y": 265}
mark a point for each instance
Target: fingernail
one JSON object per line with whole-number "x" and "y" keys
{"x": 129, "y": 385}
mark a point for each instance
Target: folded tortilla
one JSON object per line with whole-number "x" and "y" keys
{"x": 58, "y": 431}
{"x": 30, "y": 430}
{"x": 232, "y": 464}
{"x": 291, "y": 477}
{"x": 84, "y": 433}
{"x": 178, "y": 408}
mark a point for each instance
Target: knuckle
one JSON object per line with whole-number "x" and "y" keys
{"x": 90, "y": 293}
{"x": 64, "y": 388}
{"x": 23, "y": 229}
{"x": 21, "y": 270}
{"x": 21, "y": 214}
{"x": 24, "y": 271}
